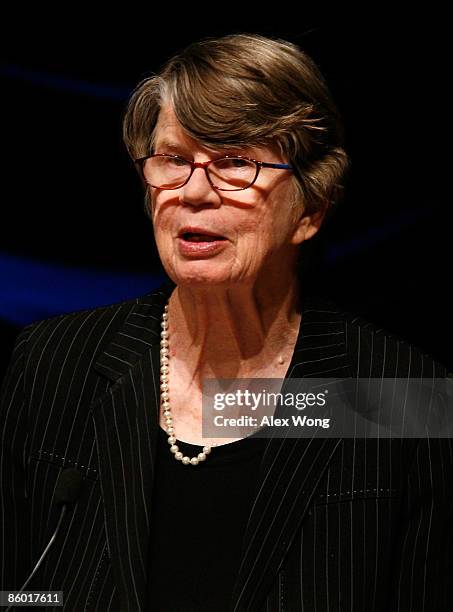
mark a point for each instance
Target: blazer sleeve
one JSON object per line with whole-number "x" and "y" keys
{"x": 424, "y": 559}
{"x": 15, "y": 563}
{"x": 422, "y": 573}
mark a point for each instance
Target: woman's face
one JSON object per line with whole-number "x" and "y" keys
{"x": 260, "y": 234}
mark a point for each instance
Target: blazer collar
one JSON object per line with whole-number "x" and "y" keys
{"x": 140, "y": 330}
{"x": 290, "y": 469}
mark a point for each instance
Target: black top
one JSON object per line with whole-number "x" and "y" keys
{"x": 198, "y": 520}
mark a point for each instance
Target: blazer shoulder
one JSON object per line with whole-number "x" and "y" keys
{"x": 94, "y": 316}
{"x": 377, "y": 352}
{"x": 372, "y": 350}
{"x": 55, "y": 328}
{"x": 80, "y": 335}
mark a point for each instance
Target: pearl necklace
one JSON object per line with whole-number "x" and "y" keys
{"x": 164, "y": 397}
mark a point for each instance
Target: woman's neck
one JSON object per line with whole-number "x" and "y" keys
{"x": 233, "y": 332}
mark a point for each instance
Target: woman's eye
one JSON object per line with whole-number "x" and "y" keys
{"x": 232, "y": 163}
{"x": 239, "y": 163}
{"x": 175, "y": 161}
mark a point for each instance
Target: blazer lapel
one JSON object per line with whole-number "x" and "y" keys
{"x": 291, "y": 468}
{"x": 126, "y": 425}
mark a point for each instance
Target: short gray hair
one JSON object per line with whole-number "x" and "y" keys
{"x": 249, "y": 90}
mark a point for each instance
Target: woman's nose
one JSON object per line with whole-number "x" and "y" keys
{"x": 198, "y": 190}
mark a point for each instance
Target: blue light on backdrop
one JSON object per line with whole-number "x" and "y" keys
{"x": 31, "y": 290}
{"x": 67, "y": 84}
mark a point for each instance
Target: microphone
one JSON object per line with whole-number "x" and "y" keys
{"x": 67, "y": 492}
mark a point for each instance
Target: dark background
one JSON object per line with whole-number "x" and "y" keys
{"x": 73, "y": 233}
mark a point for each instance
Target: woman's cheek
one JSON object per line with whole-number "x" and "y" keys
{"x": 249, "y": 253}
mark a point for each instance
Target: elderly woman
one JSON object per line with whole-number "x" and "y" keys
{"x": 239, "y": 147}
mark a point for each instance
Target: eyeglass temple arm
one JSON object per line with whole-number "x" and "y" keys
{"x": 282, "y": 166}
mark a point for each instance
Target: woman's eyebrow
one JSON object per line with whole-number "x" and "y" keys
{"x": 168, "y": 145}
{"x": 171, "y": 146}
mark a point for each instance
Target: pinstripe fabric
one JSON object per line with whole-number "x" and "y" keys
{"x": 335, "y": 524}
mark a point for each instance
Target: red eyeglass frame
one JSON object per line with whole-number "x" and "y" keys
{"x": 140, "y": 162}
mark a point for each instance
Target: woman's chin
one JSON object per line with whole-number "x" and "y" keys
{"x": 202, "y": 280}
{"x": 201, "y": 273}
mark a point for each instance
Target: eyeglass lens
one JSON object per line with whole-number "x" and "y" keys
{"x": 227, "y": 173}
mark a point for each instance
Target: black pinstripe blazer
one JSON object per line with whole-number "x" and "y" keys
{"x": 336, "y": 524}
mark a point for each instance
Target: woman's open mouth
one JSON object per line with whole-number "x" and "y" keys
{"x": 198, "y": 244}
{"x": 198, "y": 237}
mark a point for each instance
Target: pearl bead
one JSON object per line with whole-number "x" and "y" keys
{"x": 171, "y": 440}
{"x": 201, "y": 456}
{"x": 164, "y": 334}
{"x": 185, "y": 460}
{"x": 206, "y": 450}
{"x": 170, "y": 430}
{"x": 164, "y": 387}
{"x": 194, "y": 461}
{"x": 174, "y": 448}
{"x": 165, "y": 395}
{"x": 178, "y": 455}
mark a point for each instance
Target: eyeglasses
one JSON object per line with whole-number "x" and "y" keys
{"x": 229, "y": 173}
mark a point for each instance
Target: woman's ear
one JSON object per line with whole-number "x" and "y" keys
{"x": 307, "y": 226}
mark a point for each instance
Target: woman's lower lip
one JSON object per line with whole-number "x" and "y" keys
{"x": 200, "y": 249}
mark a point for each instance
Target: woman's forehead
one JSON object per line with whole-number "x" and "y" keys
{"x": 170, "y": 135}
